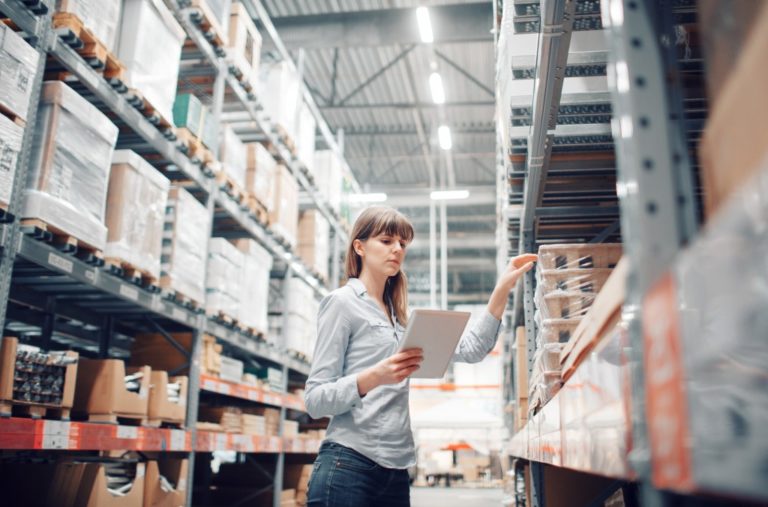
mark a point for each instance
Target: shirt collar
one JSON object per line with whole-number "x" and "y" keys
{"x": 357, "y": 285}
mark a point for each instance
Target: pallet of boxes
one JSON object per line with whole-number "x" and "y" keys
{"x": 568, "y": 277}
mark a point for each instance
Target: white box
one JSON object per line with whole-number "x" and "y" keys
{"x": 10, "y": 146}
{"x": 231, "y": 369}
{"x": 18, "y": 63}
{"x": 101, "y": 17}
{"x": 224, "y": 283}
{"x": 254, "y": 278}
{"x": 280, "y": 94}
{"x": 233, "y": 155}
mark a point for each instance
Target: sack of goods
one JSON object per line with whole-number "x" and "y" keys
{"x": 136, "y": 202}
{"x": 224, "y": 285}
{"x": 71, "y": 159}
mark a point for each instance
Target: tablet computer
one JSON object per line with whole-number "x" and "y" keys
{"x": 436, "y": 333}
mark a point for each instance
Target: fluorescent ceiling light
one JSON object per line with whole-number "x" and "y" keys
{"x": 425, "y": 25}
{"x": 436, "y": 85}
{"x": 444, "y": 137}
{"x": 373, "y": 197}
{"x": 446, "y": 195}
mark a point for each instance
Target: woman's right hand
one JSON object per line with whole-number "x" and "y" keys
{"x": 391, "y": 370}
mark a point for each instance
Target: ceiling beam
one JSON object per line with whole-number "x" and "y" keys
{"x": 463, "y": 23}
{"x": 409, "y": 105}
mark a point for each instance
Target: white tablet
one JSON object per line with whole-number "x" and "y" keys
{"x": 436, "y": 333}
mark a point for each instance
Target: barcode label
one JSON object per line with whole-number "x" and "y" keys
{"x": 60, "y": 262}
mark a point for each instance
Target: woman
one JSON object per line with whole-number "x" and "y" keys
{"x": 359, "y": 380}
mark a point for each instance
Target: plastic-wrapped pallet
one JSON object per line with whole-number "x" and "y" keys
{"x": 328, "y": 176}
{"x": 300, "y": 325}
{"x": 186, "y": 233}
{"x": 18, "y": 63}
{"x": 224, "y": 285}
{"x": 580, "y": 256}
{"x": 71, "y": 158}
{"x": 279, "y": 90}
{"x": 101, "y": 17}
{"x": 136, "y": 201}
{"x": 305, "y": 142}
{"x": 150, "y": 48}
{"x": 254, "y": 278}
{"x": 545, "y": 375}
{"x": 260, "y": 175}
{"x": 244, "y": 43}
{"x": 314, "y": 241}
{"x": 233, "y": 155}
{"x": 284, "y": 218}
{"x": 10, "y": 146}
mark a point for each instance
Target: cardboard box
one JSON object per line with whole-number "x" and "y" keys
{"x": 271, "y": 418}
{"x": 18, "y": 65}
{"x": 231, "y": 369}
{"x": 261, "y": 174}
{"x": 254, "y": 279}
{"x": 175, "y": 471}
{"x": 244, "y": 44}
{"x": 224, "y": 285}
{"x": 285, "y": 208}
{"x": 73, "y": 143}
{"x": 314, "y": 241}
{"x": 233, "y": 156}
{"x": 136, "y": 201}
{"x": 101, "y": 17}
{"x": 10, "y": 147}
{"x": 191, "y": 114}
{"x": 80, "y": 484}
{"x": 579, "y": 256}
{"x": 101, "y": 392}
{"x": 161, "y": 409}
{"x": 149, "y": 46}
{"x": 732, "y": 148}
{"x": 184, "y": 255}
{"x": 8, "y": 361}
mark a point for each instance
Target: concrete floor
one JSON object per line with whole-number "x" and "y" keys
{"x": 455, "y": 497}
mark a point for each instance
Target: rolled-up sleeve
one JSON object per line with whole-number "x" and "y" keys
{"x": 479, "y": 340}
{"x": 328, "y": 391}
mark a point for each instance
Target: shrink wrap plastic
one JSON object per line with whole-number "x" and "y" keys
{"x": 10, "y": 146}
{"x": 254, "y": 278}
{"x": 224, "y": 286}
{"x": 18, "y": 63}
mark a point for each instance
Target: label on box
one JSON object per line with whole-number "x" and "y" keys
{"x": 56, "y": 435}
{"x": 178, "y": 440}
{"x": 129, "y": 292}
{"x": 60, "y": 262}
{"x": 128, "y": 432}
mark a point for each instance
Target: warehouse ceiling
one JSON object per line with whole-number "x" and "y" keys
{"x": 369, "y": 73}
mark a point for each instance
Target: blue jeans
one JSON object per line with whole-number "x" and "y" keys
{"x": 342, "y": 477}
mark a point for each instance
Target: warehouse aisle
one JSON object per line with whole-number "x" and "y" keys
{"x": 455, "y": 497}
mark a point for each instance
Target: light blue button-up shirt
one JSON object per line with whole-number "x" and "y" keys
{"x": 353, "y": 334}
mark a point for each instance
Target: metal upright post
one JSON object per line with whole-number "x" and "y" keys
{"x": 657, "y": 213}
{"x": 11, "y": 235}
{"x": 280, "y": 466}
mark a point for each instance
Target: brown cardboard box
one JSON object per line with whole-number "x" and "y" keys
{"x": 288, "y": 498}
{"x": 260, "y": 175}
{"x": 153, "y": 349}
{"x": 285, "y": 213}
{"x": 244, "y": 43}
{"x": 160, "y": 408}
{"x": 733, "y": 146}
{"x": 602, "y": 316}
{"x": 8, "y": 349}
{"x": 173, "y": 469}
{"x": 313, "y": 241}
{"x": 271, "y": 418}
{"x": 85, "y": 485}
{"x": 724, "y": 27}
{"x": 101, "y": 392}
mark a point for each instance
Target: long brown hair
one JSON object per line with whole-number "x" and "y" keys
{"x": 372, "y": 222}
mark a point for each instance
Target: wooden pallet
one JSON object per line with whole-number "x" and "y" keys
{"x": 286, "y": 139}
{"x": 203, "y": 17}
{"x": 62, "y": 240}
{"x": 223, "y": 318}
{"x": 258, "y": 209}
{"x": 298, "y": 355}
{"x": 174, "y": 295}
{"x": 18, "y": 408}
{"x": 15, "y": 118}
{"x": 137, "y": 100}
{"x": 117, "y": 418}
{"x": 137, "y": 276}
{"x": 70, "y": 28}
{"x": 251, "y": 331}
{"x": 237, "y": 70}
{"x": 195, "y": 149}
{"x": 231, "y": 187}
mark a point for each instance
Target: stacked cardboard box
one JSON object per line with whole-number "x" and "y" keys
{"x": 254, "y": 279}
{"x": 191, "y": 114}
{"x": 136, "y": 202}
{"x": 233, "y": 156}
{"x": 285, "y": 208}
{"x": 231, "y": 369}
{"x": 314, "y": 241}
{"x": 254, "y": 424}
{"x": 229, "y": 418}
{"x": 244, "y": 44}
{"x": 297, "y": 478}
{"x": 166, "y": 482}
{"x": 18, "y": 63}
{"x": 261, "y": 174}
{"x": 167, "y": 399}
{"x": 187, "y": 225}
{"x": 146, "y": 26}
{"x": 108, "y": 483}
{"x": 301, "y": 308}
{"x": 106, "y": 390}
{"x": 290, "y": 429}
{"x": 271, "y": 419}
{"x": 328, "y": 175}
{"x": 224, "y": 285}
{"x": 155, "y": 350}
{"x": 569, "y": 278}
{"x": 101, "y": 17}
{"x": 71, "y": 159}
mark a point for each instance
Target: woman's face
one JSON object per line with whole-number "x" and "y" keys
{"x": 382, "y": 254}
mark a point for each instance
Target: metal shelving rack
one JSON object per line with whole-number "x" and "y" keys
{"x": 656, "y": 122}
{"x": 91, "y": 305}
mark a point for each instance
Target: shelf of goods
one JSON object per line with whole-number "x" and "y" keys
{"x": 647, "y": 375}
{"x": 127, "y": 278}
